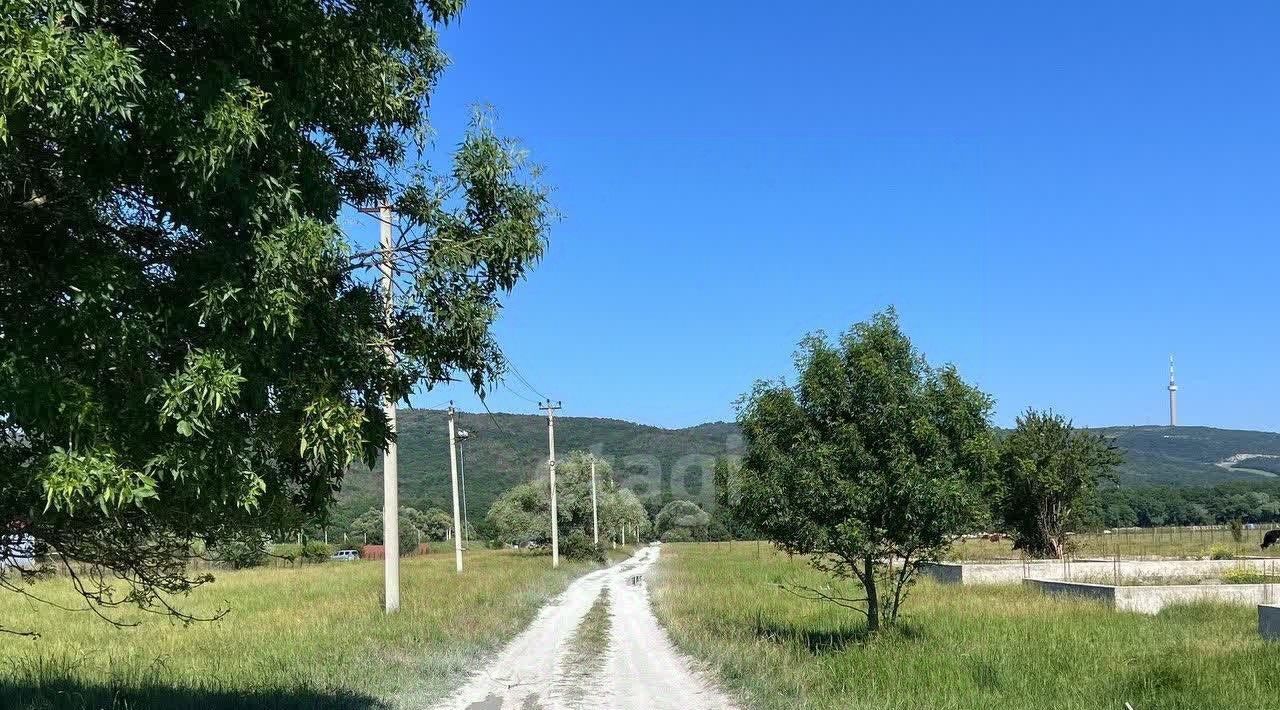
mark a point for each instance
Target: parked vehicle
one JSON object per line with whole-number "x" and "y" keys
{"x": 346, "y": 555}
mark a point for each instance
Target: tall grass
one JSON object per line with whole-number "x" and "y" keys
{"x": 959, "y": 647}
{"x": 1132, "y": 543}
{"x": 306, "y": 637}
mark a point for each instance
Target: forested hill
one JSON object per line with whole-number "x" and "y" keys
{"x": 506, "y": 449}
{"x": 655, "y": 462}
{"x": 1194, "y": 455}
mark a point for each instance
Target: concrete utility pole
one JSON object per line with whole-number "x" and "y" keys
{"x": 453, "y": 470}
{"x": 390, "y": 471}
{"x": 595, "y": 518}
{"x": 1173, "y": 396}
{"x": 551, "y": 467}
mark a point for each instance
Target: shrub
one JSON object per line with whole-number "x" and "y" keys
{"x": 1221, "y": 552}
{"x": 316, "y": 551}
{"x": 577, "y": 546}
{"x": 1243, "y": 575}
{"x": 677, "y": 535}
{"x": 287, "y": 551}
{"x": 249, "y": 552}
{"x": 1237, "y": 530}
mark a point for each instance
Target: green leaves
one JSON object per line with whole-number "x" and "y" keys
{"x": 72, "y": 479}
{"x": 331, "y": 433}
{"x": 181, "y": 310}
{"x": 872, "y": 455}
{"x": 1048, "y": 471}
{"x": 195, "y": 396}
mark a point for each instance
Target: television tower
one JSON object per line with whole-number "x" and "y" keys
{"x": 1173, "y": 396}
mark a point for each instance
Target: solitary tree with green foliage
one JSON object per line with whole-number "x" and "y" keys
{"x": 191, "y": 348}
{"x": 1047, "y": 474}
{"x": 870, "y": 464}
{"x": 681, "y": 521}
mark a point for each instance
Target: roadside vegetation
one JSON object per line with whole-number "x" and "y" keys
{"x": 1198, "y": 543}
{"x": 305, "y": 637}
{"x": 955, "y": 648}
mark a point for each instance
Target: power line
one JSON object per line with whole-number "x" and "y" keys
{"x": 498, "y": 426}
{"x": 516, "y": 371}
{"x": 512, "y": 391}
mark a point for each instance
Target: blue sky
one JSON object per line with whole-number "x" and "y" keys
{"x": 1054, "y": 198}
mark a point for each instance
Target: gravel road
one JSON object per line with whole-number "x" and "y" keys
{"x": 640, "y": 670}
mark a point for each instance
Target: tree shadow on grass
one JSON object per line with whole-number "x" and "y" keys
{"x": 74, "y": 695}
{"x": 825, "y": 639}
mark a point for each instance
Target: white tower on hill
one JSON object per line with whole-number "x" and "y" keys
{"x": 1173, "y": 396}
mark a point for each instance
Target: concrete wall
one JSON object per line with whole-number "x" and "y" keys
{"x": 1269, "y": 621}
{"x": 1097, "y": 592}
{"x": 1090, "y": 570}
{"x": 1150, "y": 600}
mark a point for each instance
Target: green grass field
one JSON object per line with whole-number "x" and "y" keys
{"x": 306, "y": 637}
{"x": 970, "y": 647}
{"x": 1145, "y": 542}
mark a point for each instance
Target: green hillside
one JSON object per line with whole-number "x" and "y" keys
{"x": 509, "y": 448}
{"x": 1190, "y": 455}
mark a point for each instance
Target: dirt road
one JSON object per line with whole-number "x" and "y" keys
{"x": 598, "y": 645}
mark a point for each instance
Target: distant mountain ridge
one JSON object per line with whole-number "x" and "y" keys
{"x": 1195, "y": 455}
{"x": 510, "y": 448}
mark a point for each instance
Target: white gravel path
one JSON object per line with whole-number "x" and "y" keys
{"x": 641, "y": 669}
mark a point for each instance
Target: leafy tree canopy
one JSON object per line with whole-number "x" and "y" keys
{"x": 873, "y": 456}
{"x": 685, "y": 516}
{"x": 1047, "y": 475}
{"x": 415, "y": 526}
{"x": 189, "y": 344}
{"x": 523, "y": 514}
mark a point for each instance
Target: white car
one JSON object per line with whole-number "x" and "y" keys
{"x": 346, "y": 556}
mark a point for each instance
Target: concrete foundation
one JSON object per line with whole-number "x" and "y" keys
{"x": 1150, "y": 600}
{"x": 1091, "y": 569}
{"x": 1269, "y": 622}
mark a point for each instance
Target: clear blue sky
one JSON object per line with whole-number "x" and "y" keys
{"x": 1055, "y": 198}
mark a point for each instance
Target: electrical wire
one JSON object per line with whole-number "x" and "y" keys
{"x": 519, "y": 376}
{"x": 512, "y": 391}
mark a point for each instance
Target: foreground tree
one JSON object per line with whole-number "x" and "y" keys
{"x": 190, "y": 347}
{"x": 870, "y": 464}
{"x": 1047, "y": 475}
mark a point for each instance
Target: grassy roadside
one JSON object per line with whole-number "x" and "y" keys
{"x": 296, "y": 638}
{"x": 971, "y": 647}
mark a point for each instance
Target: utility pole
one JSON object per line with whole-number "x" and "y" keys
{"x": 453, "y": 470}
{"x": 595, "y": 519}
{"x": 390, "y": 470}
{"x": 551, "y": 467}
